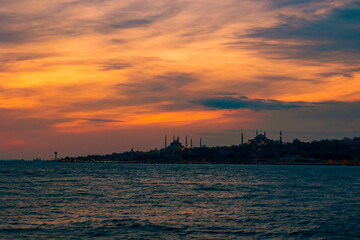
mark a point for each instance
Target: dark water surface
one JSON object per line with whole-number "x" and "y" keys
{"x": 43, "y": 200}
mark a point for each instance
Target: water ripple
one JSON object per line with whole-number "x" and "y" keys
{"x": 41, "y": 200}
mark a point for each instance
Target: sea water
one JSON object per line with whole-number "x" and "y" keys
{"x": 51, "y": 200}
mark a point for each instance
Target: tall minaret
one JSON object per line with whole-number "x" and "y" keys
{"x": 191, "y": 143}
{"x": 265, "y": 133}
{"x": 186, "y": 141}
{"x": 242, "y": 138}
{"x": 257, "y": 133}
{"x": 178, "y": 139}
{"x": 280, "y": 137}
{"x": 200, "y": 142}
{"x": 165, "y": 142}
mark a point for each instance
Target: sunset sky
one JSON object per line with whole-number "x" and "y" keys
{"x": 100, "y": 76}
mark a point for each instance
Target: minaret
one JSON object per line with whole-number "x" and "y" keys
{"x": 165, "y": 142}
{"x": 280, "y": 137}
{"x": 191, "y": 143}
{"x": 200, "y": 142}
{"x": 186, "y": 141}
{"x": 265, "y": 133}
{"x": 178, "y": 139}
{"x": 242, "y": 138}
{"x": 257, "y": 132}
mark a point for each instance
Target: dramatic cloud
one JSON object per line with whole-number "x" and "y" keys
{"x": 160, "y": 83}
{"x": 137, "y": 14}
{"x": 246, "y": 103}
{"x": 334, "y": 35}
{"x": 286, "y": 3}
{"x": 111, "y": 66}
{"x": 101, "y": 120}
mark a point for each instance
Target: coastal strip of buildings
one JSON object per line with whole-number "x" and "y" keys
{"x": 258, "y": 150}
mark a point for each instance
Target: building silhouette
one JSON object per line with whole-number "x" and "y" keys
{"x": 260, "y": 140}
{"x": 175, "y": 145}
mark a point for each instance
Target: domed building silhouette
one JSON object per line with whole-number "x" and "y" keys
{"x": 260, "y": 140}
{"x": 175, "y": 145}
